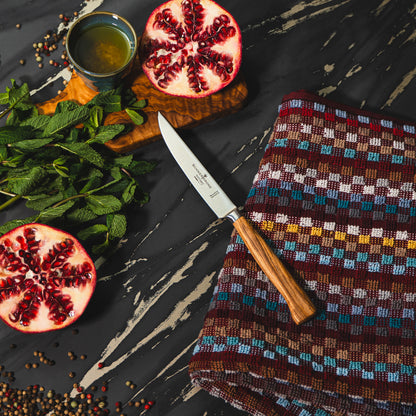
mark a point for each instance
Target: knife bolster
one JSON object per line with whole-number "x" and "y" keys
{"x": 234, "y": 215}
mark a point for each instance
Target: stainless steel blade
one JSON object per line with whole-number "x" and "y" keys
{"x": 200, "y": 178}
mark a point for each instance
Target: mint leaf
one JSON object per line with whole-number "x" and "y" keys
{"x": 83, "y": 151}
{"x": 123, "y": 161}
{"x": 81, "y": 215}
{"x": 117, "y": 225}
{"x": 65, "y": 106}
{"x": 92, "y": 231}
{"x": 135, "y": 116}
{"x": 61, "y": 121}
{"x": 13, "y": 161}
{"x": 103, "y": 204}
{"x": 106, "y": 133}
{"x": 62, "y": 171}
{"x": 22, "y": 182}
{"x": 109, "y": 100}
{"x": 96, "y": 116}
{"x": 19, "y": 96}
{"x": 29, "y": 145}
{"x": 128, "y": 194}
{"x": 54, "y": 212}
{"x": 42, "y": 201}
{"x": 116, "y": 173}
{"x": 38, "y": 122}
{"x": 138, "y": 105}
{"x": 141, "y": 167}
{"x": 4, "y": 98}
{"x": 13, "y": 134}
{"x": 3, "y": 153}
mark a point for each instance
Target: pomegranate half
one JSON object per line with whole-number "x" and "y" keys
{"x": 46, "y": 278}
{"x": 191, "y": 48}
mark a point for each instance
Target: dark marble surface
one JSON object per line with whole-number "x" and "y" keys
{"x": 153, "y": 293}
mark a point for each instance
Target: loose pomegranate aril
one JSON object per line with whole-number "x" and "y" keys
{"x": 46, "y": 278}
{"x": 190, "y": 48}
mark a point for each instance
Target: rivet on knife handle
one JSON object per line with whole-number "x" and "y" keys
{"x": 300, "y": 306}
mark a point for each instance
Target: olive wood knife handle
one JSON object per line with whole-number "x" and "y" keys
{"x": 300, "y": 306}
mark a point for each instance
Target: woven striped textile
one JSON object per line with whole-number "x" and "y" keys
{"x": 335, "y": 198}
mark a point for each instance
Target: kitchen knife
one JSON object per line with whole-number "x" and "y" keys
{"x": 300, "y": 306}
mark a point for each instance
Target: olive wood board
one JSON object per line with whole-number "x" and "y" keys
{"x": 181, "y": 112}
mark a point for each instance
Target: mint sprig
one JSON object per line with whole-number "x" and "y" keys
{"x": 60, "y": 166}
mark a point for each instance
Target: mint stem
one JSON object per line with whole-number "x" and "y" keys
{"x": 10, "y": 202}
{"x": 7, "y": 110}
{"x": 69, "y": 199}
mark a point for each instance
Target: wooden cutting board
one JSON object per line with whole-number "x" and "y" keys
{"x": 181, "y": 112}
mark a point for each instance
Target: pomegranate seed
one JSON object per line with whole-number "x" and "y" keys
{"x": 100, "y": 365}
{"x": 103, "y": 388}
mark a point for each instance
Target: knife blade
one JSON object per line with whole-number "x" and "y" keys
{"x": 300, "y": 306}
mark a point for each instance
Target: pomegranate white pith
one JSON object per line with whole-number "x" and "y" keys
{"x": 46, "y": 278}
{"x": 191, "y": 48}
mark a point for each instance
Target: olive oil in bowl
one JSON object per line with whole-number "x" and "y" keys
{"x": 102, "y": 49}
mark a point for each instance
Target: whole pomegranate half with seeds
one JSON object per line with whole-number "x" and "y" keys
{"x": 190, "y": 48}
{"x": 46, "y": 278}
